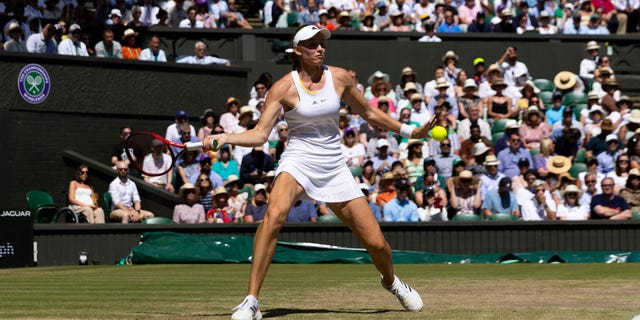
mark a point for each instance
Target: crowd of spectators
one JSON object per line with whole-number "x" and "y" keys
{"x": 566, "y": 148}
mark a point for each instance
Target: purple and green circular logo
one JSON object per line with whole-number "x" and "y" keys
{"x": 34, "y": 83}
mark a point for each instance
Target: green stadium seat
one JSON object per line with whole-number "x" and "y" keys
{"x": 577, "y": 109}
{"x": 495, "y": 137}
{"x": 107, "y": 205}
{"x": 499, "y": 125}
{"x": 581, "y": 156}
{"x": 573, "y": 98}
{"x": 534, "y": 153}
{"x": 546, "y": 97}
{"x": 42, "y": 207}
{"x": 157, "y": 220}
{"x": 577, "y": 168}
{"x": 635, "y": 215}
{"x": 467, "y": 217}
{"x": 328, "y": 218}
{"x": 502, "y": 217}
{"x": 544, "y": 84}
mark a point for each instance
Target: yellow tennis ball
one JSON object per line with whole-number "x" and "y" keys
{"x": 439, "y": 133}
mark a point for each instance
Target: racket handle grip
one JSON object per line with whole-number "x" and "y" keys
{"x": 191, "y": 146}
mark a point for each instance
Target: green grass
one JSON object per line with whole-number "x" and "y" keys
{"x": 327, "y": 291}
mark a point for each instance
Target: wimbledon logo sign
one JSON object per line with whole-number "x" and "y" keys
{"x": 34, "y": 83}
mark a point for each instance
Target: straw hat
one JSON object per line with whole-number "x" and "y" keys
{"x": 377, "y": 84}
{"x": 530, "y": 83}
{"x": 441, "y": 83}
{"x": 605, "y": 71}
{"x": 572, "y": 189}
{"x": 412, "y": 142}
{"x": 410, "y": 86}
{"x": 344, "y": 14}
{"x": 450, "y": 54}
{"x": 129, "y": 33}
{"x": 233, "y": 179}
{"x": 245, "y": 110}
{"x": 531, "y": 111}
{"x": 494, "y": 67}
{"x": 596, "y": 108}
{"x": 415, "y": 97}
{"x": 607, "y": 125}
{"x": 387, "y": 176}
{"x": 498, "y": 83}
{"x": 634, "y": 117}
{"x": 592, "y": 95}
{"x": 470, "y": 83}
{"x": 558, "y": 164}
{"x": 592, "y": 45}
{"x": 188, "y": 186}
{"x": 634, "y": 172}
{"x": 564, "y": 80}
{"x": 465, "y": 174}
{"x": 408, "y": 71}
{"x": 220, "y": 191}
{"x": 14, "y": 26}
{"x": 610, "y": 83}
{"x": 491, "y": 160}
{"x": 230, "y": 100}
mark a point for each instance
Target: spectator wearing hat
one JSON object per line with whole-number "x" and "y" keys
{"x": 589, "y": 64}
{"x": 479, "y": 71}
{"x": 386, "y": 189}
{"x": 238, "y": 197}
{"x": 190, "y": 211}
{"x": 382, "y": 160}
{"x": 408, "y": 75}
{"x": 419, "y": 112}
{"x": 546, "y": 27}
{"x": 257, "y": 207}
{"x": 557, "y": 167}
{"x": 499, "y": 106}
{"x": 598, "y": 144}
{"x": 570, "y": 208}
{"x": 492, "y": 176}
{"x": 567, "y": 81}
{"x": 382, "y": 89}
{"x": 492, "y": 73}
{"x": 398, "y": 23}
{"x": 43, "y": 42}
{"x": 153, "y": 52}
{"x": 19, "y": 18}
{"x": 480, "y": 152}
{"x": 595, "y": 26}
{"x": 229, "y": 119}
{"x": 15, "y": 44}
{"x": 607, "y": 205}
{"x": 468, "y": 98}
{"x": 608, "y": 101}
{"x": 505, "y": 22}
{"x": 401, "y": 208}
{"x": 382, "y": 17}
{"x": 130, "y": 50}
{"x": 600, "y": 76}
{"x": 201, "y": 57}
{"x": 255, "y": 165}
{"x": 465, "y": 196}
{"x": 173, "y": 131}
{"x": 108, "y": 48}
{"x": 226, "y": 166}
{"x": 408, "y": 90}
{"x": 547, "y": 150}
{"x": 115, "y": 18}
{"x": 430, "y": 89}
{"x": 509, "y": 157}
{"x": 206, "y": 168}
{"x": 281, "y": 143}
{"x": 367, "y": 25}
{"x": 607, "y": 158}
{"x": 221, "y": 212}
{"x": 374, "y": 78}
{"x": 451, "y": 70}
{"x": 631, "y": 190}
{"x": 501, "y": 200}
{"x": 594, "y": 119}
{"x": 442, "y": 86}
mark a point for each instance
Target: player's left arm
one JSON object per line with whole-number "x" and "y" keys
{"x": 361, "y": 106}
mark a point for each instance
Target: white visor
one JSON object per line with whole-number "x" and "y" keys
{"x": 309, "y": 32}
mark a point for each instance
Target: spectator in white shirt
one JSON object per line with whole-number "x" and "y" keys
{"x": 201, "y": 57}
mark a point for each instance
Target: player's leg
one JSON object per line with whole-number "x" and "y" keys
{"x": 357, "y": 215}
{"x": 286, "y": 191}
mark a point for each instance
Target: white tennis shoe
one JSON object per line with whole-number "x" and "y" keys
{"x": 247, "y": 310}
{"x": 409, "y": 298}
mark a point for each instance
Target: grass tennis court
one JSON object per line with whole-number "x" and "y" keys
{"x": 322, "y": 291}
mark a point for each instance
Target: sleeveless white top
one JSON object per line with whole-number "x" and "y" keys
{"x": 84, "y": 195}
{"x": 314, "y": 156}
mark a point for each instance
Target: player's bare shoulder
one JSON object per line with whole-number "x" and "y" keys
{"x": 284, "y": 92}
{"x": 341, "y": 75}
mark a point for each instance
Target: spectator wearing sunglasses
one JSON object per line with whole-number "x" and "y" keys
{"x": 125, "y": 199}
{"x": 119, "y": 152}
{"x": 173, "y": 130}
{"x": 190, "y": 211}
{"x": 81, "y": 196}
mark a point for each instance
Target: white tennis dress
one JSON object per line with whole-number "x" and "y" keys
{"x": 313, "y": 156}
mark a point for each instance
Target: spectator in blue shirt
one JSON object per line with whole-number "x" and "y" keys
{"x": 501, "y": 200}
{"x": 554, "y": 114}
{"x": 401, "y": 208}
{"x": 607, "y": 158}
{"x": 303, "y": 211}
{"x": 377, "y": 211}
{"x": 609, "y": 206}
{"x": 448, "y": 25}
{"x": 509, "y": 157}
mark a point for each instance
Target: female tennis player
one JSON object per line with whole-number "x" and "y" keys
{"x": 312, "y": 165}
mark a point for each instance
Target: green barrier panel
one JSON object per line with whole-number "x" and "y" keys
{"x": 171, "y": 247}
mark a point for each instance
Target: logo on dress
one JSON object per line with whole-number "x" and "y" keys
{"x": 34, "y": 83}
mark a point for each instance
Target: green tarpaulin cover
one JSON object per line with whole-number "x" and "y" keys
{"x": 171, "y": 247}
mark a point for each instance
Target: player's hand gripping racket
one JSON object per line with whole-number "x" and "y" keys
{"x": 154, "y": 154}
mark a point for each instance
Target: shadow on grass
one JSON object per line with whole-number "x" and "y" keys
{"x": 273, "y": 313}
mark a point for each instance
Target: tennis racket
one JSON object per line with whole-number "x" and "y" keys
{"x": 155, "y": 155}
